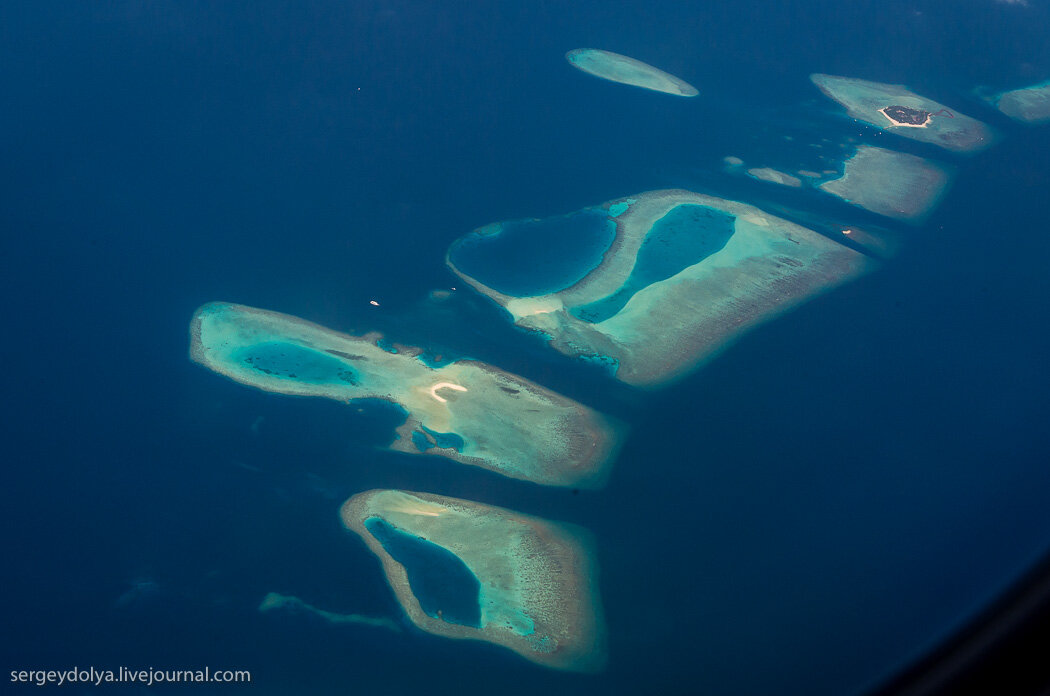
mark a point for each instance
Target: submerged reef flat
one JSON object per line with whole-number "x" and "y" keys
{"x": 878, "y": 241}
{"x": 467, "y": 411}
{"x": 890, "y": 183}
{"x": 685, "y": 274}
{"x": 897, "y": 109}
{"x": 1029, "y": 104}
{"x": 462, "y": 569}
{"x": 275, "y": 601}
{"x": 774, "y": 176}
{"x": 617, "y": 68}
{"x": 872, "y": 239}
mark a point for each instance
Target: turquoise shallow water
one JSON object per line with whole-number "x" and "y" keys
{"x": 293, "y": 362}
{"x": 685, "y": 236}
{"x": 526, "y": 258}
{"x": 438, "y": 578}
{"x": 446, "y": 440}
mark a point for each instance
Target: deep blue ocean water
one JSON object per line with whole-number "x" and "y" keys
{"x": 837, "y": 492}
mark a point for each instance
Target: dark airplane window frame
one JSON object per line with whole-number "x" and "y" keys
{"x": 1005, "y": 650}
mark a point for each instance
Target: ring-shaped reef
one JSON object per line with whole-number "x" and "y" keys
{"x": 897, "y": 109}
{"x": 890, "y": 183}
{"x": 1028, "y": 104}
{"x": 685, "y": 275}
{"x": 628, "y": 71}
{"x": 550, "y": 254}
{"x": 467, "y": 411}
{"x": 467, "y": 570}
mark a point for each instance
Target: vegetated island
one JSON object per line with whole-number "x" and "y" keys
{"x": 653, "y": 284}
{"x": 890, "y": 183}
{"x": 462, "y": 569}
{"x": 628, "y": 71}
{"x": 466, "y": 411}
{"x": 899, "y": 115}
{"x": 898, "y": 109}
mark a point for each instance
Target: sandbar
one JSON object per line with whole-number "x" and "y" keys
{"x": 774, "y": 176}
{"x": 1028, "y": 104}
{"x": 537, "y": 580}
{"x": 628, "y": 71}
{"x": 910, "y": 115}
{"x": 467, "y": 411}
{"x": 890, "y": 183}
{"x": 711, "y": 269}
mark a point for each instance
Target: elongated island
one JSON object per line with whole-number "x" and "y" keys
{"x": 462, "y": 569}
{"x": 897, "y": 109}
{"x": 628, "y": 71}
{"x": 466, "y": 411}
{"x": 653, "y": 284}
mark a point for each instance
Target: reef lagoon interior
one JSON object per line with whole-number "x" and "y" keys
{"x": 464, "y": 410}
{"x": 685, "y": 275}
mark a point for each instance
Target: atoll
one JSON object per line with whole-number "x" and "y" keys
{"x": 466, "y": 411}
{"x": 683, "y": 276}
{"x": 462, "y": 569}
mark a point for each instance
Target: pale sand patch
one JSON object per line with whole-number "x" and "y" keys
{"x": 445, "y": 385}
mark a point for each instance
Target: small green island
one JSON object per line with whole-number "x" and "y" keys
{"x": 897, "y": 109}
{"x": 652, "y": 285}
{"x": 467, "y": 411}
{"x": 890, "y": 183}
{"x": 906, "y": 116}
{"x": 628, "y": 71}
{"x": 467, "y": 570}
{"x": 1028, "y": 104}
